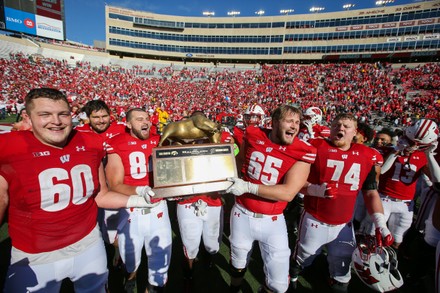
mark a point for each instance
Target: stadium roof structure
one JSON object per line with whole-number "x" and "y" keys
{"x": 400, "y": 33}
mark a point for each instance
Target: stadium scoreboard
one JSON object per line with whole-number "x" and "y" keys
{"x": 43, "y": 18}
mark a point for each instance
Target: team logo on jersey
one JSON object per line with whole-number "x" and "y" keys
{"x": 269, "y": 150}
{"x": 80, "y": 148}
{"x": 41, "y": 154}
{"x": 110, "y": 135}
{"x": 132, "y": 143}
{"x": 65, "y": 158}
{"x": 314, "y": 225}
{"x": 356, "y": 153}
{"x": 344, "y": 157}
{"x": 283, "y": 148}
{"x": 259, "y": 142}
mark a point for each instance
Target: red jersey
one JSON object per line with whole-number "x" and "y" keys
{"x": 349, "y": 168}
{"x": 267, "y": 163}
{"x": 238, "y": 136}
{"x": 401, "y": 179}
{"x": 51, "y": 201}
{"x": 318, "y": 130}
{"x": 114, "y": 129}
{"x": 136, "y": 157}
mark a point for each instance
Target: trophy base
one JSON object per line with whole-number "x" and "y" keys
{"x": 183, "y": 190}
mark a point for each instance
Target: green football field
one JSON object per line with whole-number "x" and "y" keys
{"x": 215, "y": 279}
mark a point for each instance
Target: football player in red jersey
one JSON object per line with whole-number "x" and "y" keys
{"x": 99, "y": 116}
{"x": 128, "y": 171}
{"x": 275, "y": 168}
{"x": 400, "y": 172}
{"x": 341, "y": 169}
{"x": 52, "y": 181}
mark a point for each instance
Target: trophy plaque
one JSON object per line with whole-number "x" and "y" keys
{"x": 192, "y": 169}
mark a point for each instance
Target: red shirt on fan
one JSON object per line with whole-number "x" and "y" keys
{"x": 267, "y": 163}
{"x": 53, "y": 206}
{"x": 349, "y": 168}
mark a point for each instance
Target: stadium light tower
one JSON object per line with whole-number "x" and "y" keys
{"x": 233, "y": 13}
{"x": 348, "y": 6}
{"x": 260, "y": 12}
{"x": 383, "y": 2}
{"x": 209, "y": 13}
{"x": 286, "y": 11}
{"x": 316, "y": 9}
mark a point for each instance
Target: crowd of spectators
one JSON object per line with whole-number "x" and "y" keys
{"x": 374, "y": 92}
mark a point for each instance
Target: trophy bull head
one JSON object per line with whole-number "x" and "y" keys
{"x": 192, "y": 128}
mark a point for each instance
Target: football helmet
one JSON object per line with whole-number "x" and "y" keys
{"x": 254, "y": 115}
{"x": 375, "y": 265}
{"x": 239, "y": 122}
{"x": 313, "y": 114}
{"x": 422, "y": 133}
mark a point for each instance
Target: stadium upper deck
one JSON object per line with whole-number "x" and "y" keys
{"x": 402, "y": 33}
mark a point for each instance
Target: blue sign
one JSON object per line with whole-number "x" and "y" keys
{"x": 20, "y": 21}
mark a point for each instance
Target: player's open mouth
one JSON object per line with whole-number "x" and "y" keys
{"x": 339, "y": 135}
{"x": 290, "y": 134}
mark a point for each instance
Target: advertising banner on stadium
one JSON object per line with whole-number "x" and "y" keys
{"x": 42, "y": 18}
{"x": 49, "y": 27}
{"x": 20, "y": 21}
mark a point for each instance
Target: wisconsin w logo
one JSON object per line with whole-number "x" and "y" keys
{"x": 65, "y": 159}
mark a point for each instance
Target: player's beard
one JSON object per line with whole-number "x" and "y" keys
{"x": 101, "y": 127}
{"x": 139, "y": 133}
{"x": 283, "y": 139}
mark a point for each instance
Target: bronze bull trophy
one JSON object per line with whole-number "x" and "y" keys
{"x": 191, "y": 129}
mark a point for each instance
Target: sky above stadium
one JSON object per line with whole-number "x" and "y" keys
{"x": 85, "y": 19}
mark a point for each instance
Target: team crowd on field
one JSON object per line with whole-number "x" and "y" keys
{"x": 312, "y": 164}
